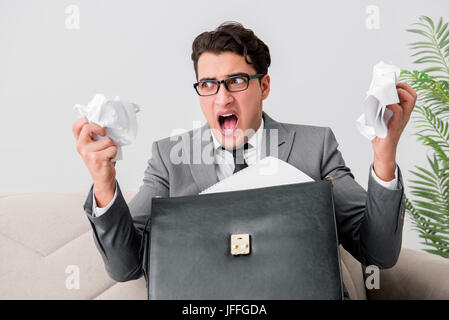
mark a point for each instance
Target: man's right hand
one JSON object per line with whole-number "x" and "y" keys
{"x": 97, "y": 156}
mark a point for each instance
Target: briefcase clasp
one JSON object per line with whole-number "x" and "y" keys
{"x": 240, "y": 244}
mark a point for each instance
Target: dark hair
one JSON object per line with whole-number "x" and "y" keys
{"x": 232, "y": 37}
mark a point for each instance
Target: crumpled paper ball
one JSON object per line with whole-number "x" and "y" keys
{"x": 116, "y": 116}
{"x": 382, "y": 92}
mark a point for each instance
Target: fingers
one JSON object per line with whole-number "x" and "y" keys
{"x": 405, "y": 86}
{"x": 108, "y": 153}
{"x": 395, "y": 107}
{"x": 397, "y": 116}
{"x": 407, "y": 97}
{"x": 100, "y": 144}
{"x": 77, "y": 126}
{"x": 98, "y": 157}
{"x": 88, "y": 130}
{"x": 407, "y": 100}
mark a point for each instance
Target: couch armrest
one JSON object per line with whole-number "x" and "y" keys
{"x": 417, "y": 275}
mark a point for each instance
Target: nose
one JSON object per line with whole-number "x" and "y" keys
{"x": 223, "y": 98}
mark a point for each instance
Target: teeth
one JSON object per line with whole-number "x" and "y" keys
{"x": 227, "y": 115}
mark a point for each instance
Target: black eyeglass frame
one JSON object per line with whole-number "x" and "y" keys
{"x": 255, "y": 76}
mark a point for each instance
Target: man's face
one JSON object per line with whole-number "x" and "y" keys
{"x": 245, "y": 106}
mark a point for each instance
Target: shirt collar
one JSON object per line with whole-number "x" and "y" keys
{"x": 255, "y": 141}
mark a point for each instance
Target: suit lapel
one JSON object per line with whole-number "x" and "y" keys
{"x": 276, "y": 131}
{"x": 203, "y": 169}
{"x": 201, "y": 165}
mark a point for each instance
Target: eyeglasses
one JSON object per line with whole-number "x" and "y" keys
{"x": 232, "y": 84}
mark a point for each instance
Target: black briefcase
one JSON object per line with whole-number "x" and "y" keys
{"x": 269, "y": 243}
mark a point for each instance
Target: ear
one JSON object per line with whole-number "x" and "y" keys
{"x": 265, "y": 86}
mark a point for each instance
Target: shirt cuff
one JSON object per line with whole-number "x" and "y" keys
{"x": 96, "y": 212}
{"x": 392, "y": 185}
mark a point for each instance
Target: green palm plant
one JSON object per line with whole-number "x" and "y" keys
{"x": 428, "y": 205}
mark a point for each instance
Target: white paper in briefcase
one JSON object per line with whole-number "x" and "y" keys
{"x": 268, "y": 172}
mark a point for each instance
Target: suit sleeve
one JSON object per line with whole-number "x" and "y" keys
{"x": 118, "y": 232}
{"x": 392, "y": 185}
{"x": 96, "y": 211}
{"x": 369, "y": 222}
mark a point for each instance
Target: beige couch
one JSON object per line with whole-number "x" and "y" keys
{"x": 45, "y": 239}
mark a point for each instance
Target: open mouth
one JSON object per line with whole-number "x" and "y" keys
{"x": 228, "y": 123}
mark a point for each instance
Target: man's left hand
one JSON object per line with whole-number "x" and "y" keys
{"x": 385, "y": 149}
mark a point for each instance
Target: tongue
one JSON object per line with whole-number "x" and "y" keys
{"x": 229, "y": 122}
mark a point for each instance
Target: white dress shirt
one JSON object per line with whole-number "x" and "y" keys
{"x": 224, "y": 165}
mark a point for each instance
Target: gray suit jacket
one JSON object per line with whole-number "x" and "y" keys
{"x": 369, "y": 223}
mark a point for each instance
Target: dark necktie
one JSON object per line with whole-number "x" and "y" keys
{"x": 239, "y": 160}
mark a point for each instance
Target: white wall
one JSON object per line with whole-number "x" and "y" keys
{"x": 322, "y": 57}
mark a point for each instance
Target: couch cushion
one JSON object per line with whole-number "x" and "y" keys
{"x": 352, "y": 274}
{"x": 130, "y": 290}
{"x": 48, "y": 241}
{"x": 42, "y": 222}
{"x": 417, "y": 275}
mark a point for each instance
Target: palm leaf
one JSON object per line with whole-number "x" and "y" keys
{"x": 432, "y": 93}
{"x": 434, "y": 130}
{"x": 436, "y": 46}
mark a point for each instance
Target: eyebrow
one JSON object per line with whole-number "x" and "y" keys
{"x": 227, "y": 76}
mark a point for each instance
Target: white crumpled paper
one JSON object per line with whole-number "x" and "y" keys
{"x": 382, "y": 92}
{"x": 116, "y": 116}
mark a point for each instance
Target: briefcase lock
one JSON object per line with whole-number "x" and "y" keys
{"x": 240, "y": 244}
